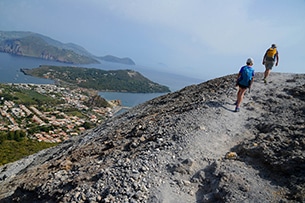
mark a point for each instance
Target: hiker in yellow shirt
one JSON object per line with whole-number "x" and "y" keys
{"x": 271, "y": 56}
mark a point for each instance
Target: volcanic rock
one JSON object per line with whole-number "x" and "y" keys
{"x": 184, "y": 147}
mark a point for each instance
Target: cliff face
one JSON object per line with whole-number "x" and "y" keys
{"x": 186, "y": 146}
{"x": 12, "y": 47}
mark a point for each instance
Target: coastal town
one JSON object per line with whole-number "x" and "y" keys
{"x": 60, "y": 113}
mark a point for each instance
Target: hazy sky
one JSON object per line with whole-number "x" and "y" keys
{"x": 197, "y": 38}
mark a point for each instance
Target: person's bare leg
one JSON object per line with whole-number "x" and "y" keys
{"x": 267, "y": 72}
{"x": 240, "y": 96}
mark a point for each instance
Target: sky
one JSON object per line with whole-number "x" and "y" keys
{"x": 203, "y": 39}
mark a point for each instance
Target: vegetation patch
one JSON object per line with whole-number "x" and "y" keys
{"x": 12, "y": 150}
{"x": 97, "y": 79}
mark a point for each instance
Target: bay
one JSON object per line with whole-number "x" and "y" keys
{"x": 130, "y": 99}
{"x": 10, "y": 69}
{"x": 10, "y": 73}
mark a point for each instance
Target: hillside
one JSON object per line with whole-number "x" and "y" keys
{"x": 102, "y": 80}
{"x": 6, "y": 35}
{"x": 175, "y": 148}
{"x": 39, "y": 46}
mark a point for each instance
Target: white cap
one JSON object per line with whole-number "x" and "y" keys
{"x": 250, "y": 60}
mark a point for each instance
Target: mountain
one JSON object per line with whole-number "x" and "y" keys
{"x": 185, "y": 146}
{"x": 39, "y": 46}
{"x": 6, "y": 35}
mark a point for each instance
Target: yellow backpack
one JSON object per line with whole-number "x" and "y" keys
{"x": 271, "y": 52}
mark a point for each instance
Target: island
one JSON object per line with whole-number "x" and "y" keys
{"x": 97, "y": 79}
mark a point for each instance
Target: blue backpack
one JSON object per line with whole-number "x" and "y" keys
{"x": 246, "y": 76}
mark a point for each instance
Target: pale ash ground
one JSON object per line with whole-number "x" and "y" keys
{"x": 217, "y": 133}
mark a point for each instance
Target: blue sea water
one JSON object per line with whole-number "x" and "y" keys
{"x": 10, "y": 69}
{"x": 130, "y": 99}
{"x": 10, "y": 73}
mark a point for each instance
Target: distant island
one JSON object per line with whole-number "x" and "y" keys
{"x": 97, "y": 79}
{"x": 115, "y": 59}
{"x": 39, "y": 46}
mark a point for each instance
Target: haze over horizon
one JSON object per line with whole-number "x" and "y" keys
{"x": 197, "y": 38}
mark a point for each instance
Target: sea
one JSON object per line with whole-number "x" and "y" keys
{"x": 10, "y": 66}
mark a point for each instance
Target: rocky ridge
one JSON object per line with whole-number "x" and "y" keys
{"x": 186, "y": 146}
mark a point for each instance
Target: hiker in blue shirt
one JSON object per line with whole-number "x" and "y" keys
{"x": 245, "y": 79}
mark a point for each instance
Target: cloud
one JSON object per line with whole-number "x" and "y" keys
{"x": 222, "y": 26}
{"x": 208, "y": 23}
{"x": 179, "y": 33}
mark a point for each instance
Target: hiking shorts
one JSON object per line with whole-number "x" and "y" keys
{"x": 242, "y": 86}
{"x": 269, "y": 65}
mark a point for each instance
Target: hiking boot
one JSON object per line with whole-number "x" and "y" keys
{"x": 265, "y": 80}
{"x": 237, "y": 109}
